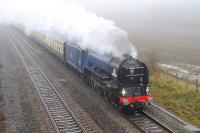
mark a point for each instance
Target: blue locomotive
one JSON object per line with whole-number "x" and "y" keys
{"x": 122, "y": 81}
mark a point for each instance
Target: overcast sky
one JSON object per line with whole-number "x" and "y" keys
{"x": 143, "y": 14}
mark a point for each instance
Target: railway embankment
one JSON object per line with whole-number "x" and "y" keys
{"x": 2, "y": 118}
{"x": 177, "y": 97}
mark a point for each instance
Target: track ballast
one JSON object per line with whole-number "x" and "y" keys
{"x": 148, "y": 124}
{"x": 62, "y": 117}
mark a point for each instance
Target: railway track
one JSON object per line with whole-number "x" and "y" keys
{"x": 70, "y": 102}
{"x": 169, "y": 114}
{"x": 61, "y": 116}
{"x": 148, "y": 124}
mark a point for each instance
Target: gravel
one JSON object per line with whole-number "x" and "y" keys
{"x": 21, "y": 105}
{"x": 2, "y": 118}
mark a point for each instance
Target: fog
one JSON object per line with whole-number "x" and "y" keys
{"x": 63, "y": 21}
{"x": 169, "y": 28}
{"x": 148, "y": 14}
{"x": 167, "y": 25}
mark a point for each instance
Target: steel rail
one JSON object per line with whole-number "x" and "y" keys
{"x": 90, "y": 114}
{"x": 148, "y": 124}
{"x": 59, "y": 112}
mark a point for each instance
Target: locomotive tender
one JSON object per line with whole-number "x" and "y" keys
{"x": 122, "y": 81}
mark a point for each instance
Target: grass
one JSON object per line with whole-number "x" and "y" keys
{"x": 2, "y": 118}
{"x": 176, "y": 97}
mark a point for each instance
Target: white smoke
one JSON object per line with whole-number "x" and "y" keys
{"x": 65, "y": 21}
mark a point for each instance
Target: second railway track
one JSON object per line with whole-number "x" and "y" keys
{"x": 148, "y": 124}
{"x": 62, "y": 117}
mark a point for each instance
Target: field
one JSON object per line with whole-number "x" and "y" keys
{"x": 176, "y": 97}
{"x": 188, "y": 73}
{"x": 171, "y": 46}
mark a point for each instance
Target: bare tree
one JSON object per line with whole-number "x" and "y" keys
{"x": 152, "y": 59}
{"x": 178, "y": 70}
{"x": 195, "y": 73}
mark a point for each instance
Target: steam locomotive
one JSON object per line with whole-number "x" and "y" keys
{"x": 121, "y": 81}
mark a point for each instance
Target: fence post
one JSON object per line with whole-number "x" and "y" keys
{"x": 187, "y": 83}
{"x": 196, "y": 83}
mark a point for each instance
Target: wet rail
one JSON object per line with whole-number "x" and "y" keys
{"x": 148, "y": 124}
{"x": 61, "y": 116}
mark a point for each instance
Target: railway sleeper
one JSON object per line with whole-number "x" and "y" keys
{"x": 71, "y": 131}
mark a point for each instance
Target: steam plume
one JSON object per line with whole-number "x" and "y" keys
{"x": 65, "y": 21}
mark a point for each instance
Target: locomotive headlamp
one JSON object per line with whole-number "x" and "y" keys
{"x": 147, "y": 89}
{"x": 123, "y": 92}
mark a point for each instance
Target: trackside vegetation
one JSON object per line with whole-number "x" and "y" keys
{"x": 175, "y": 96}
